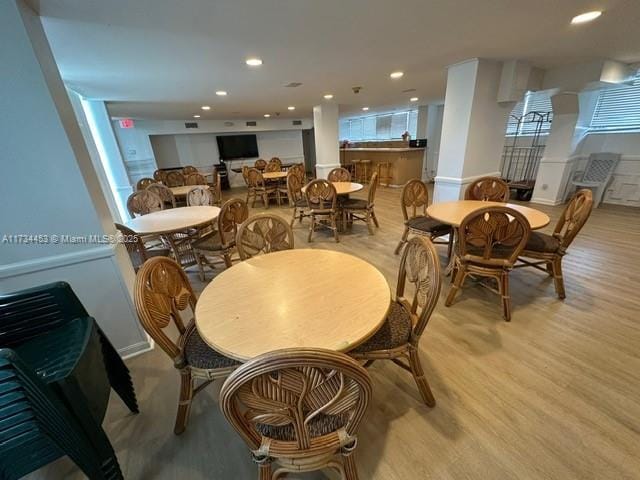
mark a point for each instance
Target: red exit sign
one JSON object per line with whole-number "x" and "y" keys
{"x": 126, "y": 123}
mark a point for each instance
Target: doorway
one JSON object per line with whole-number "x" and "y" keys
{"x": 309, "y": 150}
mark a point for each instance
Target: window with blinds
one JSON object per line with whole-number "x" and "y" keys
{"x": 535, "y": 113}
{"x": 618, "y": 109}
{"x": 390, "y": 126}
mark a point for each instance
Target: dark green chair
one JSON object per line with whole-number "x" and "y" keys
{"x": 57, "y": 369}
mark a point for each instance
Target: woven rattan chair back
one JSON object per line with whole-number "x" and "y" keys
{"x": 143, "y": 183}
{"x": 260, "y": 164}
{"x": 493, "y": 236}
{"x": 300, "y": 407}
{"x": 159, "y": 175}
{"x": 274, "y": 165}
{"x": 321, "y": 195}
{"x": 374, "y": 181}
{"x": 174, "y": 178}
{"x": 232, "y": 214}
{"x": 299, "y": 170}
{"x": 492, "y": 189}
{"x": 263, "y": 233}
{"x": 255, "y": 178}
{"x": 165, "y": 194}
{"x": 200, "y": 196}
{"x": 217, "y": 188}
{"x": 245, "y": 174}
{"x": 163, "y": 295}
{"x": 419, "y": 267}
{"x": 294, "y": 187}
{"x": 573, "y": 218}
{"x": 339, "y": 175}
{"x": 276, "y": 160}
{"x": 188, "y": 170}
{"x": 134, "y": 245}
{"x": 143, "y": 202}
{"x": 195, "y": 179}
{"x": 414, "y": 199}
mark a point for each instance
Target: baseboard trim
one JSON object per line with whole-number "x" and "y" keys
{"x": 136, "y": 349}
{"x": 544, "y": 201}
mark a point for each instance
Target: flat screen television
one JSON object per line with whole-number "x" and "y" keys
{"x": 237, "y": 146}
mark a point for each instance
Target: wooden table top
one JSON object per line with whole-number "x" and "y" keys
{"x": 344, "y": 188}
{"x": 273, "y": 175}
{"x": 293, "y": 298}
{"x": 173, "y": 220}
{"x": 453, "y": 212}
{"x": 182, "y": 190}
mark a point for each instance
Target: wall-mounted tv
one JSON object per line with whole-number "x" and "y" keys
{"x": 237, "y": 146}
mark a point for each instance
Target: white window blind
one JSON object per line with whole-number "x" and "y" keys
{"x": 369, "y": 128}
{"x": 539, "y": 102}
{"x": 383, "y": 127}
{"x": 618, "y": 108}
{"x": 379, "y": 127}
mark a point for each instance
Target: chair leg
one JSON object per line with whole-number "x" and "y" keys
{"x": 311, "y": 227}
{"x": 369, "y": 221}
{"x": 293, "y": 217}
{"x": 184, "y": 403}
{"x": 200, "y": 267}
{"x": 450, "y": 245}
{"x": 375, "y": 219}
{"x": 227, "y": 260}
{"x": 403, "y": 240}
{"x": 421, "y": 380}
{"x": 265, "y": 200}
{"x": 460, "y": 273}
{"x": 264, "y": 471}
{"x": 334, "y": 226}
{"x": 350, "y": 467}
{"x": 557, "y": 277}
{"x": 506, "y": 296}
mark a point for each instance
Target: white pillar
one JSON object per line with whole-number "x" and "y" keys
{"x": 555, "y": 165}
{"x": 325, "y": 124}
{"x": 473, "y": 127}
{"x": 52, "y": 187}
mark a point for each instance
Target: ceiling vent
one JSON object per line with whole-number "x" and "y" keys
{"x": 190, "y": 124}
{"x": 252, "y": 124}
{"x": 297, "y": 122}
{"x": 409, "y": 90}
{"x": 228, "y": 124}
{"x": 292, "y": 84}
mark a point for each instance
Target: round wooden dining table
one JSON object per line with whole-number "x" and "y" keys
{"x": 292, "y": 298}
{"x": 344, "y": 188}
{"x": 182, "y": 190}
{"x": 173, "y": 220}
{"x": 454, "y": 212}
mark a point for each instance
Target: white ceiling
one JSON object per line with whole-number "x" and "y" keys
{"x": 164, "y": 58}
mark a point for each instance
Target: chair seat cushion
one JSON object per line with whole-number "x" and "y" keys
{"x": 210, "y": 242}
{"x": 394, "y": 332}
{"x": 198, "y": 354}
{"x": 541, "y": 242}
{"x": 427, "y": 224}
{"x": 355, "y": 204}
{"x": 320, "y": 425}
{"x": 301, "y": 203}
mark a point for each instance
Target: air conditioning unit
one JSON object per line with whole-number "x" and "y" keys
{"x": 296, "y": 122}
{"x": 190, "y": 124}
{"x": 252, "y": 124}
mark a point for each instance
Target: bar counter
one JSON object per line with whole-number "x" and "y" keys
{"x": 405, "y": 162}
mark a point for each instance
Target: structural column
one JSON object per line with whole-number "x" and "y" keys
{"x": 473, "y": 127}
{"x": 325, "y": 124}
{"x": 51, "y": 184}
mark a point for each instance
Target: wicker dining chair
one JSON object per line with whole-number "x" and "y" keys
{"x": 399, "y": 337}
{"x": 195, "y": 179}
{"x": 298, "y": 169}
{"x": 200, "y": 196}
{"x": 550, "y": 249}
{"x": 298, "y": 410}
{"x": 490, "y": 240}
{"x": 159, "y": 175}
{"x": 165, "y": 194}
{"x": 222, "y": 242}
{"x": 174, "y": 178}
{"x": 136, "y": 248}
{"x": 188, "y": 170}
{"x": 274, "y": 165}
{"x": 363, "y": 210}
{"x": 322, "y": 200}
{"x": 260, "y": 164}
{"x": 296, "y": 197}
{"x": 143, "y": 202}
{"x": 339, "y": 175}
{"x": 263, "y": 233}
{"x": 162, "y": 293}
{"x": 414, "y": 201}
{"x": 216, "y": 188}
{"x": 491, "y": 189}
{"x": 143, "y": 183}
{"x": 276, "y": 160}
{"x": 258, "y": 188}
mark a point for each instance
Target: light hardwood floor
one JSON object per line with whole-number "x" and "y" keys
{"x": 555, "y": 394}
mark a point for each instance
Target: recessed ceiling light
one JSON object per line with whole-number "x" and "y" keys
{"x": 205, "y": 107}
{"x": 196, "y": 116}
{"x": 221, "y": 93}
{"x": 396, "y": 74}
{"x": 253, "y": 62}
{"x": 291, "y": 107}
{"x": 586, "y": 17}
{"x": 414, "y": 99}
{"x": 328, "y": 96}
{"x": 267, "y": 115}
{"x": 365, "y": 108}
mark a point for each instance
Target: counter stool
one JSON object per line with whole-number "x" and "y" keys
{"x": 362, "y": 171}
{"x": 385, "y": 173}
{"x": 355, "y": 165}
